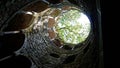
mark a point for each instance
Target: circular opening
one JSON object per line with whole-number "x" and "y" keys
{"x": 73, "y": 27}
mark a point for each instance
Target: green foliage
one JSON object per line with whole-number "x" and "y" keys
{"x": 69, "y": 28}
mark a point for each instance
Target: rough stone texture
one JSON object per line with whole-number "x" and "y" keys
{"x": 38, "y": 51}
{"x": 9, "y": 7}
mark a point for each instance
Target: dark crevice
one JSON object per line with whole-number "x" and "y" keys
{"x": 16, "y": 62}
{"x": 67, "y": 47}
{"x": 10, "y": 43}
{"x": 86, "y": 49}
{"x": 54, "y": 55}
{"x": 69, "y": 59}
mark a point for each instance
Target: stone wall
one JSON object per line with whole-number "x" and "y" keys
{"x": 87, "y": 58}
